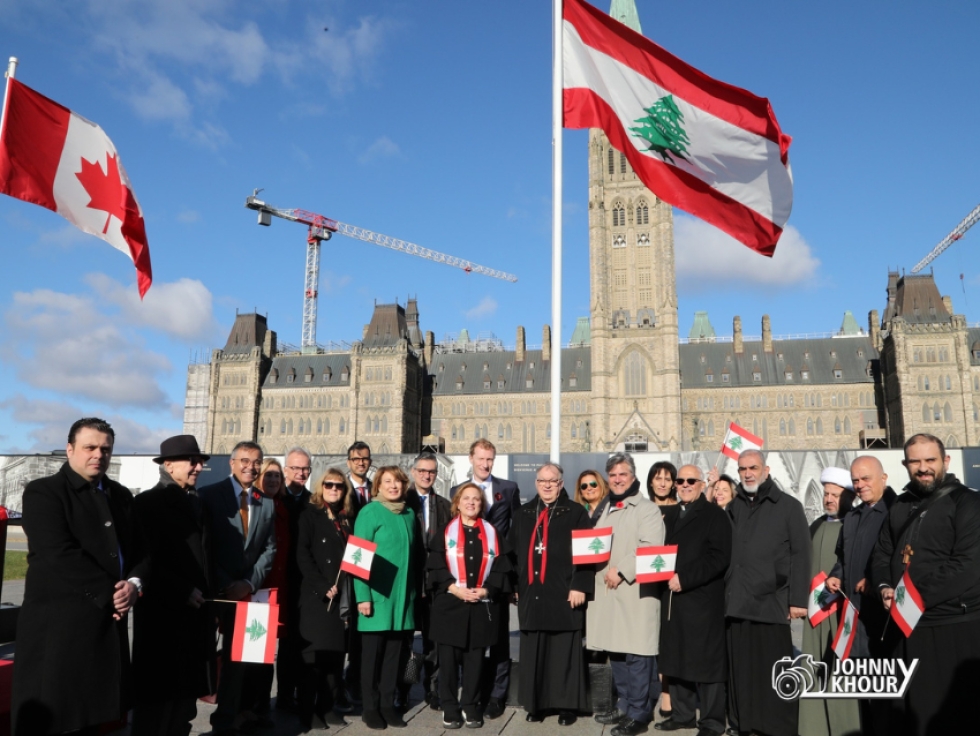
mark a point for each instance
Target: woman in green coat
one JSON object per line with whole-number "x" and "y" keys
{"x": 386, "y": 601}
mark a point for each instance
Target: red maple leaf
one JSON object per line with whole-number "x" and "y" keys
{"x": 106, "y": 190}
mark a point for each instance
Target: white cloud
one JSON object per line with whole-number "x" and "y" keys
{"x": 486, "y": 308}
{"x": 331, "y": 282}
{"x": 188, "y": 217}
{"x": 181, "y": 309}
{"x": 383, "y": 147}
{"x": 55, "y": 418}
{"x": 158, "y": 98}
{"x": 707, "y": 257}
{"x": 66, "y": 236}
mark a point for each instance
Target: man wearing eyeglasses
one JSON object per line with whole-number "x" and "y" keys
{"x": 295, "y": 498}
{"x": 693, "y": 653}
{"x": 359, "y": 463}
{"x": 243, "y": 546}
{"x": 173, "y": 631}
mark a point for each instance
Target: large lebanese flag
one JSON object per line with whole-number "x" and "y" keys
{"x": 711, "y": 149}
{"x": 55, "y": 158}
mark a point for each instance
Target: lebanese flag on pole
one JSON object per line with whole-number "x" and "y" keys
{"x": 591, "y": 545}
{"x": 822, "y": 602}
{"x": 55, "y": 158}
{"x": 907, "y": 607}
{"x": 738, "y": 440}
{"x": 711, "y": 149}
{"x": 655, "y": 564}
{"x": 254, "y": 638}
{"x": 846, "y": 631}
{"x": 358, "y": 556}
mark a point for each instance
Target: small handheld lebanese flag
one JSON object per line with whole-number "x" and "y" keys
{"x": 358, "y": 557}
{"x": 254, "y": 638}
{"x": 57, "y": 159}
{"x": 907, "y": 607}
{"x": 702, "y": 145}
{"x": 822, "y": 602}
{"x": 738, "y": 440}
{"x": 591, "y": 545}
{"x": 655, "y": 564}
{"x": 846, "y": 631}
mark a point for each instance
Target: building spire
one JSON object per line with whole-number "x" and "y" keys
{"x": 625, "y": 12}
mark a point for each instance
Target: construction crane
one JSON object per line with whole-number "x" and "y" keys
{"x": 322, "y": 228}
{"x": 958, "y": 232}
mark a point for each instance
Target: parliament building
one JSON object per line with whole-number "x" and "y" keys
{"x": 629, "y": 380}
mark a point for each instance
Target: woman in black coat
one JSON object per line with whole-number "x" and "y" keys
{"x": 466, "y": 572}
{"x": 324, "y": 596}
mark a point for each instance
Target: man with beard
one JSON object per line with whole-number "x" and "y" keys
{"x": 767, "y": 585}
{"x": 692, "y": 610}
{"x": 932, "y": 534}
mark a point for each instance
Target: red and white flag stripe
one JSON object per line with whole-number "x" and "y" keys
{"x": 822, "y": 603}
{"x": 735, "y": 173}
{"x": 907, "y": 606}
{"x": 846, "y": 631}
{"x": 358, "y": 556}
{"x": 655, "y": 564}
{"x": 738, "y": 440}
{"x": 590, "y": 546}
{"x": 57, "y": 159}
{"x": 254, "y": 638}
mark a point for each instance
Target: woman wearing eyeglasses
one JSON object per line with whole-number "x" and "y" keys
{"x": 592, "y": 493}
{"x": 324, "y": 598}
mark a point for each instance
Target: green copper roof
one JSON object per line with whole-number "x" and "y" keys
{"x": 849, "y": 326}
{"x": 582, "y": 334}
{"x": 701, "y": 329}
{"x": 625, "y": 12}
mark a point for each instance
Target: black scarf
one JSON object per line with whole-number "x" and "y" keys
{"x": 616, "y": 499}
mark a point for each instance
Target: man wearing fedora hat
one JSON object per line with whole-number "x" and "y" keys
{"x": 174, "y": 631}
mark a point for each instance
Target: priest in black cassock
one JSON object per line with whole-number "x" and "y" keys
{"x": 552, "y": 593}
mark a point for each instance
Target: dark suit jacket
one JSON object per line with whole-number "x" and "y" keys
{"x": 358, "y": 502}
{"x": 439, "y": 517}
{"x": 506, "y": 500}
{"x": 234, "y": 558}
{"x": 72, "y": 665}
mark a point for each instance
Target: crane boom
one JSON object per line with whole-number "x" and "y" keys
{"x": 322, "y": 228}
{"x": 958, "y": 232}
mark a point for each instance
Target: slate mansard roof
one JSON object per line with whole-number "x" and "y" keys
{"x": 505, "y": 374}
{"x": 323, "y": 370}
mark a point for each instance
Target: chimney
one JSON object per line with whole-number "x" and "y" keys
{"x": 948, "y": 303}
{"x": 365, "y": 333}
{"x": 546, "y": 343}
{"x": 874, "y": 329}
{"x": 737, "y": 335}
{"x": 520, "y": 345}
{"x": 430, "y": 346}
{"x": 766, "y": 334}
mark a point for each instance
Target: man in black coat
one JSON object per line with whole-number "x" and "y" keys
{"x": 692, "y": 611}
{"x": 932, "y": 534}
{"x": 432, "y": 513}
{"x": 855, "y": 546}
{"x": 72, "y": 670}
{"x": 174, "y": 627}
{"x": 243, "y": 545}
{"x": 767, "y": 585}
{"x": 502, "y": 498}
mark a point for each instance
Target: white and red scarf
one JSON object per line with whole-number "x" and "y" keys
{"x": 455, "y": 552}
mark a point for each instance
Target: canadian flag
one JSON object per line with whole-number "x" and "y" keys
{"x": 907, "y": 607}
{"x": 591, "y": 545}
{"x": 822, "y": 602}
{"x": 655, "y": 564}
{"x": 57, "y": 159}
{"x": 738, "y": 440}
{"x": 846, "y": 631}
{"x": 358, "y": 556}
{"x": 254, "y": 638}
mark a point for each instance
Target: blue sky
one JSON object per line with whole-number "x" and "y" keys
{"x": 431, "y": 122}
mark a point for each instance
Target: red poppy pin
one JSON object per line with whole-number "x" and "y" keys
{"x": 619, "y": 504}
{"x": 256, "y": 496}
{"x": 499, "y": 497}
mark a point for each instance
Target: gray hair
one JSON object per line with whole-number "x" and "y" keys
{"x": 744, "y": 453}
{"x": 618, "y": 459}
{"x": 425, "y": 456}
{"x": 556, "y": 466}
{"x": 300, "y": 451}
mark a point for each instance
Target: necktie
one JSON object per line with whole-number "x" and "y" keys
{"x": 362, "y": 490}
{"x": 243, "y": 512}
{"x": 425, "y": 512}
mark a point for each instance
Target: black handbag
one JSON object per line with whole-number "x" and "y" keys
{"x": 413, "y": 669}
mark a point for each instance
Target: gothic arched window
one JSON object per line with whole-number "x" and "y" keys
{"x": 642, "y": 213}
{"x": 619, "y": 215}
{"x": 634, "y": 375}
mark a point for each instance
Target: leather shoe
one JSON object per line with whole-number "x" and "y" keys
{"x": 566, "y": 718}
{"x": 452, "y": 723}
{"x": 707, "y": 732}
{"x": 432, "y": 700}
{"x": 494, "y": 709}
{"x": 534, "y": 718}
{"x": 373, "y": 720}
{"x": 393, "y": 717}
{"x": 611, "y": 717}
{"x": 672, "y": 724}
{"x": 629, "y": 727}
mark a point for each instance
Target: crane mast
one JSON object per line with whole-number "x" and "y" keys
{"x": 958, "y": 232}
{"x": 322, "y": 228}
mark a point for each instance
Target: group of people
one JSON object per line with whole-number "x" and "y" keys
{"x": 454, "y": 568}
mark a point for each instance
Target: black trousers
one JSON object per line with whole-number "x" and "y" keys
{"x": 321, "y": 678}
{"x": 234, "y": 675}
{"x": 451, "y": 659}
{"x": 500, "y": 652}
{"x": 383, "y": 658}
{"x": 289, "y": 662}
{"x": 684, "y": 703}
{"x": 164, "y": 718}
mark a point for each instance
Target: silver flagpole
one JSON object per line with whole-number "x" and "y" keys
{"x": 11, "y": 68}
{"x": 556, "y": 197}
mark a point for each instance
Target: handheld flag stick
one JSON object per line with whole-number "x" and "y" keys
{"x": 670, "y": 604}
{"x": 339, "y": 573}
{"x": 884, "y": 629}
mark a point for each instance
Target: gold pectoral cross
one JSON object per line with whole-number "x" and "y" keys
{"x": 907, "y": 554}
